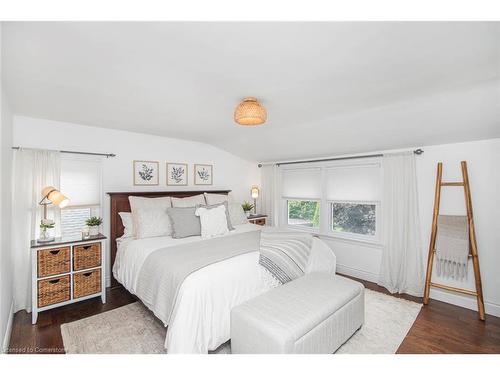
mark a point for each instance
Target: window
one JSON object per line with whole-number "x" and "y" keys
{"x": 358, "y": 218}
{"x": 353, "y": 195}
{"x": 73, "y": 219}
{"x": 339, "y": 199}
{"x": 81, "y": 183}
{"x": 302, "y": 194}
{"x": 303, "y": 213}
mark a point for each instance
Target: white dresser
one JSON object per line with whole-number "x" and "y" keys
{"x": 67, "y": 270}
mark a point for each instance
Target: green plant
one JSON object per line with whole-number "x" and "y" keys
{"x": 247, "y": 206}
{"x": 94, "y": 221}
{"x": 46, "y": 226}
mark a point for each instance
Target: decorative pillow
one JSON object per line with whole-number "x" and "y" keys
{"x": 285, "y": 254}
{"x": 236, "y": 214}
{"x": 322, "y": 258}
{"x": 127, "y": 223}
{"x": 142, "y": 202}
{"x": 229, "y": 223}
{"x": 217, "y": 198}
{"x": 152, "y": 222}
{"x": 213, "y": 221}
{"x": 189, "y": 201}
{"x": 184, "y": 222}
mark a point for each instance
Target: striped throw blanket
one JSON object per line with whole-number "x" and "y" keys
{"x": 285, "y": 254}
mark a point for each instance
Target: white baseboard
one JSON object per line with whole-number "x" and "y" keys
{"x": 438, "y": 295}
{"x": 356, "y": 272}
{"x": 8, "y": 329}
{"x": 464, "y": 301}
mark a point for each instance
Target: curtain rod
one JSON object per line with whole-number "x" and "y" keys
{"x": 418, "y": 151}
{"x": 69, "y": 152}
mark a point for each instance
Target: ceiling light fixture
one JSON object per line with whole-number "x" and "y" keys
{"x": 250, "y": 112}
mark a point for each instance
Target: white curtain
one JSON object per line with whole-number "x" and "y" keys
{"x": 33, "y": 170}
{"x": 268, "y": 193}
{"x": 401, "y": 270}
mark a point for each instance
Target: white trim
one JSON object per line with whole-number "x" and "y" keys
{"x": 463, "y": 301}
{"x": 108, "y": 281}
{"x": 357, "y": 273}
{"x": 436, "y": 294}
{"x": 352, "y": 241}
{"x": 8, "y": 329}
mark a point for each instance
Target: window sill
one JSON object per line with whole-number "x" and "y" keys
{"x": 315, "y": 232}
{"x": 371, "y": 243}
{"x": 303, "y": 230}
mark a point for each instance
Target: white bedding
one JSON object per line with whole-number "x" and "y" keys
{"x": 205, "y": 298}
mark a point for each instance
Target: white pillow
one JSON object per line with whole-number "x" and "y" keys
{"x": 152, "y": 222}
{"x": 236, "y": 214}
{"x": 142, "y": 202}
{"x": 127, "y": 223}
{"x": 322, "y": 258}
{"x": 216, "y": 198}
{"x": 189, "y": 201}
{"x": 213, "y": 221}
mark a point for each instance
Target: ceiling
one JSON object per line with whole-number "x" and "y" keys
{"x": 329, "y": 88}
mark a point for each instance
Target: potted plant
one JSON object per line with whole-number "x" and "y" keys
{"x": 93, "y": 223}
{"x": 44, "y": 226}
{"x": 247, "y": 207}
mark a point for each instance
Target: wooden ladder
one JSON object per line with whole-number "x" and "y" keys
{"x": 472, "y": 241}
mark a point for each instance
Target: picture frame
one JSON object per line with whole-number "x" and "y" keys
{"x": 203, "y": 174}
{"x": 177, "y": 174}
{"x": 146, "y": 172}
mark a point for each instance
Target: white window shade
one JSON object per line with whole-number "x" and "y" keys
{"x": 301, "y": 183}
{"x": 353, "y": 183}
{"x": 81, "y": 182}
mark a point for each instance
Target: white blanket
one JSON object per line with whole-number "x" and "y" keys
{"x": 205, "y": 298}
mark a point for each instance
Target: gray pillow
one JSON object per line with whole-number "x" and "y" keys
{"x": 184, "y": 222}
{"x": 229, "y": 224}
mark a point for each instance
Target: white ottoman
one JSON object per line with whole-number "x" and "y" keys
{"x": 315, "y": 313}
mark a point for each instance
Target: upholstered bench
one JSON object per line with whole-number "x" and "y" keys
{"x": 315, "y": 313}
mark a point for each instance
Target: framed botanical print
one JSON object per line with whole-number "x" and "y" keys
{"x": 146, "y": 172}
{"x": 177, "y": 174}
{"x": 203, "y": 174}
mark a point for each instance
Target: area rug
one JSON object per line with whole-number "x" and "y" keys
{"x": 132, "y": 329}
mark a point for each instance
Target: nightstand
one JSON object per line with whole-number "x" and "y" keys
{"x": 65, "y": 271}
{"x": 257, "y": 219}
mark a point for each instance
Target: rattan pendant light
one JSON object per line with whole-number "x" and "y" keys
{"x": 250, "y": 112}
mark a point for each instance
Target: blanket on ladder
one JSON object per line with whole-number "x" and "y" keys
{"x": 452, "y": 246}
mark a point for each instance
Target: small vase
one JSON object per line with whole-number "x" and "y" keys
{"x": 248, "y": 213}
{"x": 44, "y": 236}
{"x": 94, "y": 231}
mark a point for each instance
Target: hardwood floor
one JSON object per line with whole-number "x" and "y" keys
{"x": 444, "y": 328}
{"x": 439, "y": 327}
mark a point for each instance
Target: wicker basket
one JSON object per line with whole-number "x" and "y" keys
{"x": 86, "y": 283}
{"x": 86, "y": 256}
{"x": 53, "y": 290}
{"x": 53, "y": 261}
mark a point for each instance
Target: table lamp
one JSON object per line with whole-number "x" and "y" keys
{"x": 255, "y": 194}
{"x": 50, "y": 196}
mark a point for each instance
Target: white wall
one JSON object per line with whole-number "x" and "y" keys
{"x": 483, "y": 160}
{"x": 230, "y": 172}
{"x": 6, "y": 307}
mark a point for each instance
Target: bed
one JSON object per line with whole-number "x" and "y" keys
{"x": 199, "y": 320}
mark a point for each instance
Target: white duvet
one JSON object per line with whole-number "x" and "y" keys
{"x": 206, "y": 297}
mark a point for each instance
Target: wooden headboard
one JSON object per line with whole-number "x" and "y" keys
{"x": 119, "y": 203}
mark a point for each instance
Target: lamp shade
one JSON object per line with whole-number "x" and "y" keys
{"x": 55, "y": 196}
{"x": 255, "y": 192}
{"x": 250, "y": 112}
